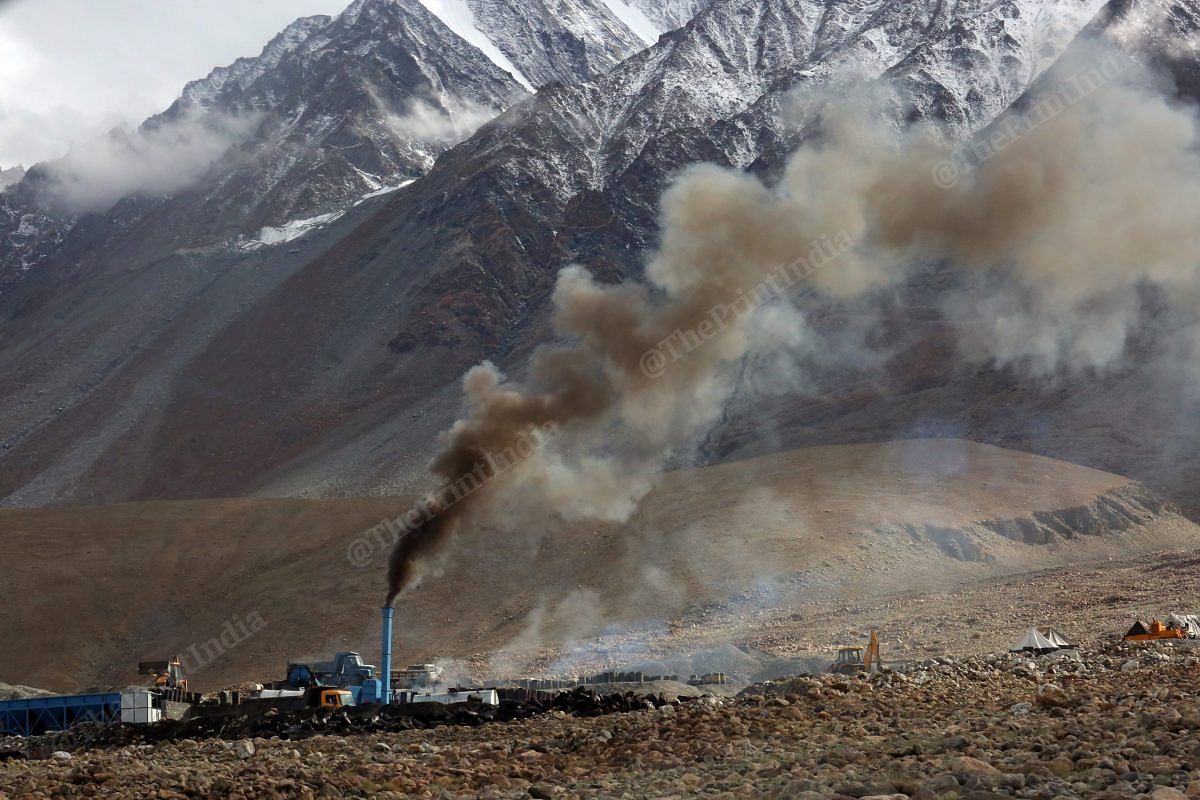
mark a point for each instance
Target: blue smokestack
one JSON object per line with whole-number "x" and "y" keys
{"x": 389, "y": 614}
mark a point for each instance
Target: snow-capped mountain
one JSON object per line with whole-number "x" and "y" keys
{"x": 332, "y": 110}
{"x": 726, "y": 73}
{"x": 539, "y": 41}
{"x": 328, "y": 364}
{"x": 366, "y": 100}
{"x": 667, "y": 15}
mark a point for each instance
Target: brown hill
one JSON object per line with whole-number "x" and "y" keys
{"x": 90, "y": 591}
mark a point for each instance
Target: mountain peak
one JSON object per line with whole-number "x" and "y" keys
{"x": 244, "y": 71}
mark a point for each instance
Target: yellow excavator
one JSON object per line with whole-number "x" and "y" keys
{"x": 167, "y": 674}
{"x": 853, "y": 660}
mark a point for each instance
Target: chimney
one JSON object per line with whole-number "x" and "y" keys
{"x": 389, "y": 613}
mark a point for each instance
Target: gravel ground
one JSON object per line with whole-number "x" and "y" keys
{"x": 1090, "y": 603}
{"x": 1120, "y": 723}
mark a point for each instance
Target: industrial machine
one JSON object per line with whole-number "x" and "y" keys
{"x": 31, "y": 716}
{"x": 1154, "y": 632}
{"x": 365, "y": 684}
{"x": 853, "y": 660}
{"x": 167, "y": 674}
{"x": 322, "y": 697}
{"x": 362, "y": 684}
{"x": 417, "y": 676}
{"x": 346, "y": 669}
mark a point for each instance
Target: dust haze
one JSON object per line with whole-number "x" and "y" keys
{"x": 1059, "y": 224}
{"x": 442, "y": 118}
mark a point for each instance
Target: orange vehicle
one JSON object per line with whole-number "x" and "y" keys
{"x": 851, "y": 660}
{"x": 167, "y": 674}
{"x": 1154, "y": 632}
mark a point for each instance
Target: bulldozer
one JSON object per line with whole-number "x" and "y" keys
{"x": 855, "y": 660}
{"x": 167, "y": 674}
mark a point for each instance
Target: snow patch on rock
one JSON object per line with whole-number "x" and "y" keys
{"x": 458, "y": 17}
{"x": 287, "y": 232}
{"x": 290, "y": 231}
{"x": 636, "y": 20}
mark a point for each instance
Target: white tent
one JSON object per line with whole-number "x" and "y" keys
{"x": 1188, "y": 623}
{"x": 1034, "y": 641}
{"x": 1056, "y": 638}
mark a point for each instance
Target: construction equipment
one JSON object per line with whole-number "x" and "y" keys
{"x": 167, "y": 674}
{"x": 346, "y": 669}
{"x": 322, "y": 697}
{"x": 417, "y": 676}
{"x": 853, "y": 660}
{"x": 31, "y": 716}
{"x": 1154, "y": 632}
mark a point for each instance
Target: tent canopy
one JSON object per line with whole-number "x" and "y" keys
{"x": 1139, "y": 629}
{"x": 1034, "y": 640}
{"x": 1055, "y": 637}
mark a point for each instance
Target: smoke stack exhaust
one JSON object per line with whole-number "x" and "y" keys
{"x": 389, "y": 615}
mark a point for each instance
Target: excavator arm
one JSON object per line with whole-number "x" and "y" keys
{"x": 871, "y": 659}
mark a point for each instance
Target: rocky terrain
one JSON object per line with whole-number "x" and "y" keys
{"x": 1123, "y": 722}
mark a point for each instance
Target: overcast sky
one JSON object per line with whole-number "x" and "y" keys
{"x": 72, "y": 69}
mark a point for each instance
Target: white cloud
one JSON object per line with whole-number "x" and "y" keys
{"x": 72, "y": 69}
{"x": 158, "y": 161}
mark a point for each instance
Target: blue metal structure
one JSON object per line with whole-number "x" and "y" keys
{"x": 31, "y": 716}
{"x": 385, "y": 675}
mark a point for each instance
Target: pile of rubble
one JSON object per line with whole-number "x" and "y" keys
{"x": 1015, "y": 669}
{"x": 333, "y": 722}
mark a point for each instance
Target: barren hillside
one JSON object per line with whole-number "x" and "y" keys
{"x": 89, "y": 591}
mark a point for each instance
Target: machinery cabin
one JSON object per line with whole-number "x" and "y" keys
{"x": 321, "y": 697}
{"x": 849, "y": 661}
{"x": 852, "y": 660}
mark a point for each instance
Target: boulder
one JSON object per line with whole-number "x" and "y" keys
{"x": 1051, "y": 695}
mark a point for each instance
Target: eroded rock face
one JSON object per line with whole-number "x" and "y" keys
{"x": 1118, "y": 510}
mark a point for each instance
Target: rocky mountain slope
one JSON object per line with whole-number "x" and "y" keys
{"x": 11, "y": 175}
{"x": 667, "y": 15}
{"x": 556, "y": 40}
{"x": 348, "y": 343}
{"x": 454, "y": 268}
